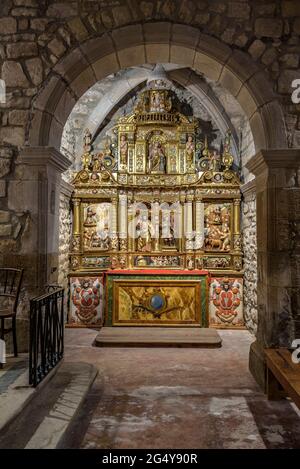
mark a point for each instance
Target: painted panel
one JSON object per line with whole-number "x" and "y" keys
{"x": 86, "y": 301}
{"x": 226, "y": 302}
{"x": 156, "y": 300}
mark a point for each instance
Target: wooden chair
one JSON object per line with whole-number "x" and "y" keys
{"x": 10, "y": 287}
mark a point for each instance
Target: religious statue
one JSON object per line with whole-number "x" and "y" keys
{"x": 225, "y": 236}
{"x": 123, "y": 150}
{"x": 157, "y": 101}
{"x": 91, "y": 216}
{"x": 87, "y": 141}
{"x": 144, "y": 231}
{"x": 189, "y": 149}
{"x": 101, "y": 239}
{"x": 157, "y": 158}
{"x": 215, "y": 161}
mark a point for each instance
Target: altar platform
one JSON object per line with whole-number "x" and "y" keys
{"x": 158, "y": 337}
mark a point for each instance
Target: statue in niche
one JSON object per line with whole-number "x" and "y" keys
{"x": 144, "y": 231}
{"x": 168, "y": 230}
{"x": 157, "y": 101}
{"x": 217, "y": 229}
{"x": 157, "y": 158}
{"x": 91, "y": 217}
{"x": 215, "y": 161}
{"x": 189, "y": 149}
{"x": 123, "y": 150}
{"x": 87, "y": 141}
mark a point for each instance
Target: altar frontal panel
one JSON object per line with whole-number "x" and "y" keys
{"x": 160, "y": 301}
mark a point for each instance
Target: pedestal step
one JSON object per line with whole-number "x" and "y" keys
{"x": 158, "y": 337}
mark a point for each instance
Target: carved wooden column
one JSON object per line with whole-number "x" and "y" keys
{"x": 131, "y": 212}
{"x": 189, "y": 244}
{"x": 278, "y": 252}
{"x": 155, "y": 220}
{"x": 114, "y": 223}
{"x": 237, "y": 243}
{"x": 199, "y": 223}
{"x": 181, "y": 227}
{"x": 75, "y": 244}
{"x": 123, "y": 221}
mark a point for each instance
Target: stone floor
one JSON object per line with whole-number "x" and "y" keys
{"x": 176, "y": 398}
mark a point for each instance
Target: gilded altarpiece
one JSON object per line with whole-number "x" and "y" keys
{"x": 156, "y": 199}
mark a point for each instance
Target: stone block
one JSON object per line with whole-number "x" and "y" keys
{"x": 268, "y": 27}
{"x": 157, "y": 53}
{"x": 21, "y": 49}
{"x": 2, "y": 188}
{"x": 214, "y": 48}
{"x": 4, "y": 216}
{"x": 8, "y": 26}
{"x": 185, "y": 35}
{"x": 182, "y": 55}
{"x": 128, "y": 36}
{"x": 57, "y": 47}
{"x": 26, "y": 3}
{"x": 269, "y": 56}
{"x": 132, "y": 56}
{"x": 35, "y": 70}
{"x": 5, "y": 230}
{"x": 83, "y": 82}
{"x": 62, "y": 9}
{"x": 296, "y": 26}
{"x": 208, "y": 66}
{"x": 49, "y": 97}
{"x": 22, "y": 11}
{"x": 285, "y": 81}
{"x": 242, "y": 65}
{"x": 121, "y": 15}
{"x": 39, "y": 24}
{"x": 290, "y": 60}
{"x": 17, "y": 117}
{"x": 158, "y": 33}
{"x": 257, "y": 128}
{"x": 72, "y": 65}
{"x": 238, "y": 10}
{"x": 257, "y": 48}
{"x": 13, "y": 136}
{"x": 146, "y": 9}
{"x": 64, "y": 107}
{"x": 290, "y": 8}
{"x": 13, "y": 75}
{"x": 105, "y": 66}
{"x": 78, "y": 29}
{"x": 230, "y": 81}
{"x": 96, "y": 48}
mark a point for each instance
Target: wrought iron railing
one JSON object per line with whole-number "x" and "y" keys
{"x": 46, "y": 334}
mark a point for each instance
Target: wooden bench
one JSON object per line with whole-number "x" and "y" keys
{"x": 283, "y": 376}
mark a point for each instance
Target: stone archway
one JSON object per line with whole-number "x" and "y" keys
{"x": 153, "y": 43}
{"x": 236, "y": 72}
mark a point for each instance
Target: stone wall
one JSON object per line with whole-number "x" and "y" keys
{"x": 250, "y": 256}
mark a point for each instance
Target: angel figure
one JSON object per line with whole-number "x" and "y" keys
{"x": 123, "y": 150}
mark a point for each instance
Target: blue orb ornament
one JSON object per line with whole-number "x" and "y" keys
{"x": 157, "y": 301}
